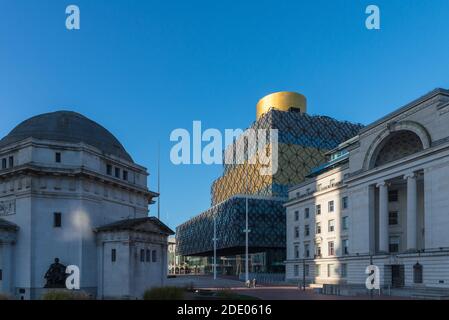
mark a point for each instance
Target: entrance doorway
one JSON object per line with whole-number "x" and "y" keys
{"x": 397, "y": 276}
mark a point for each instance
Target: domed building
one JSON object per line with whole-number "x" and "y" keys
{"x": 70, "y": 194}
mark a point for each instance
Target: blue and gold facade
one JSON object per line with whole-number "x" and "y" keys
{"x": 303, "y": 141}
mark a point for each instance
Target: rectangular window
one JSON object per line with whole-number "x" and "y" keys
{"x": 393, "y": 218}
{"x": 344, "y": 270}
{"x": 393, "y": 196}
{"x": 296, "y": 232}
{"x": 109, "y": 170}
{"x": 330, "y": 268}
{"x": 306, "y": 230}
{"x": 306, "y": 213}
{"x": 57, "y": 219}
{"x": 148, "y": 255}
{"x": 345, "y": 246}
{"x": 306, "y": 251}
{"x": 1, "y": 274}
{"x": 296, "y": 270}
{"x": 4, "y": 163}
{"x": 394, "y": 244}
{"x": 318, "y": 209}
{"x": 117, "y": 172}
{"x": 11, "y": 162}
{"x": 113, "y": 255}
{"x": 331, "y": 206}
{"x": 306, "y": 270}
{"x": 318, "y": 228}
{"x": 154, "y": 256}
{"x": 331, "y": 225}
{"x": 296, "y": 252}
{"x": 317, "y": 270}
{"x": 344, "y": 223}
{"x": 344, "y": 203}
{"x": 332, "y": 182}
{"x": 125, "y": 175}
{"x": 331, "y": 248}
{"x": 142, "y": 255}
{"x": 58, "y": 157}
{"x": 318, "y": 251}
{"x": 296, "y": 215}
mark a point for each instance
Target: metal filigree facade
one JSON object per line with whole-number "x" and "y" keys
{"x": 303, "y": 141}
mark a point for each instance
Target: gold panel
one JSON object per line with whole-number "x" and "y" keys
{"x": 282, "y": 101}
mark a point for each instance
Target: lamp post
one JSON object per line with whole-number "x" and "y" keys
{"x": 215, "y": 247}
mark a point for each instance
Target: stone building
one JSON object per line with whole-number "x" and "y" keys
{"x": 382, "y": 199}
{"x": 69, "y": 190}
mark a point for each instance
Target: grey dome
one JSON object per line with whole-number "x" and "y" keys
{"x": 67, "y": 126}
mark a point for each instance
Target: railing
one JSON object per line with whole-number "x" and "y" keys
{"x": 266, "y": 278}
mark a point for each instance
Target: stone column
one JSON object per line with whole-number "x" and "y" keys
{"x": 383, "y": 217}
{"x": 411, "y": 211}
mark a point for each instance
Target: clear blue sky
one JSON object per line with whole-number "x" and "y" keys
{"x": 144, "y": 68}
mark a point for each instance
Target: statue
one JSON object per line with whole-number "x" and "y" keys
{"x": 56, "y": 275}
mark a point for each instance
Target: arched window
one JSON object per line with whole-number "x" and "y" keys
{"x": 398, "y": 145}
{"x": 417, "y": 273}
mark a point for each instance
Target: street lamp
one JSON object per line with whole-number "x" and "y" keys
{"x": 214, "y": 239}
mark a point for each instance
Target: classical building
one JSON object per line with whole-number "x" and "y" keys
{"x": 302, "y": 142}
{"x": 382, "y": 199}
{"x": 70, "y": 191}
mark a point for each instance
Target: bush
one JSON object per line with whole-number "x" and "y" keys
{"x": 65, "y": 295}
{"x": 164, "y": 293}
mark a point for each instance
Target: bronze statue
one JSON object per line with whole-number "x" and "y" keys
{"x": 56, "y": 275}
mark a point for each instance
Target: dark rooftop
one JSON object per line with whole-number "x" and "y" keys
{"x": 67, "y": 126}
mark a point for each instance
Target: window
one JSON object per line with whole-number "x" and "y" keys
{"x": 344, "y": 203}
{"x": 298, "y": 194}
{"x": 318, "y": 228}
{"x": 318, "y": 188}
{"x": 296, "y": 215}
{"x": 125, "y": 175}
{"x": 117, "y": 172}
{"x": 142, "y": 255}
{"x": 306, "y": 270}
{"x": 11, "y": 162}
{"x": 345, "y": 246}
{"x": 306, "y": 213}
{"x": 344, "y": 223}
{"x": 394, "y": 244}
{"x": 154, "y": 256}
{"x": 330, "y": 268}
{"x": 393, "y": 218}
{"x": 57, "y": 219}
{"x": 331, "y": 206}
{"x": 344, "y": 270}
{"x": 417, "y": 273}
{"x": 306, "y": 251}
{"x": 317, "y": 270}
{"x": 108, "y": 169}
{"x": 331, "y": 225}
{"x": 113, "y": 255}
{"x": 318, "y": 209}
{"x": 296, "y": 270}
{"x": 393, "y": 196}
{"x": 1, "y": 274}
{"x": 331, "y": 248}
{"x": 58, "y": 157}
{"x": 306, "y": 230}
{"x": 318, "y": 251}
{"x": 296, "y": 252}
{"x": 148, "y": 255}
{"x": 296, "y": 232}
{"x": 332, "y": 182}
{"x": 4, "y": 163}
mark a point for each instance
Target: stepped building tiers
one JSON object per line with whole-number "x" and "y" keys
{"x": 70, "y": 194}
{"x": 303, "y": 141}
{"x": 381, "y": 199}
